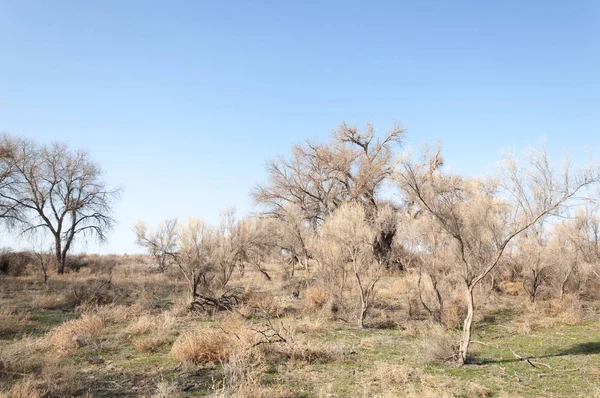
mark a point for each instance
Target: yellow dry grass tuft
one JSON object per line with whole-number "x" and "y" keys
{"x": 76, "y": 333}
{"x": 204, "y": 347}
{"x": 315, "y": 298}
{"x": 151, "y": 331}
{"x": 24, "y": 388}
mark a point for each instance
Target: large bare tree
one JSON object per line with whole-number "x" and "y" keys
{"x": 318, "y": 178}
{"x": 57, "y": 189}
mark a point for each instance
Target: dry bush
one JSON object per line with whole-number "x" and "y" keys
{"x": 438, "y": 346}
{"x": 204, "y": 346}
{"x": 14, "y": 263}
{"x": 568, "y": 310}
{"x": 315, "y": 298}
{"x": 76, "y": 333}
{"x": 511, "y": 288}
{"x": 142, "y": 325}
{"x": 24, "y": 388}
{"x": 147, "y": 343}
{"x": 242, "y": 368}
{"x": 453, "y": 313}
{"x": 91, "y": 292}
{"x": 259, "y": 305}
{"x": 180, "y": 307}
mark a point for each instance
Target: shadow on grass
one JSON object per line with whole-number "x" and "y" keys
{"x": 589, "y": 348}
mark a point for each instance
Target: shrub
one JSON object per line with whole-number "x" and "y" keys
{"x": 204, "y": 347}
{"x": 316, "y": 297}
{"x": 453, "y": 314}
{"x": 438, "y": 346}
{"x": 14, "y": 263}
{"x": 569, "y": 309}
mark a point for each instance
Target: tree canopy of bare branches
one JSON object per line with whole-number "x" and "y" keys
{"x": 318, "y": 178}
{"x": 57, "y": 189}
{"x": 483, "y": 216}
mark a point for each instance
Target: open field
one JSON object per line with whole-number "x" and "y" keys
{"x": 131, "y": 334}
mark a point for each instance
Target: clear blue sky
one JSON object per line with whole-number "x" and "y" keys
{"x": 182, "y": 102}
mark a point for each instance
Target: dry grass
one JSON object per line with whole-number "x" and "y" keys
{"x": 315, "y": 298}
{"x": 24, "y": 388}
{"x": 49, "y": 301}
{"x": 437, "y": 345}
{"x": 13, "y": 320}
{"x": 151, "y": 331}
{"x": 568, "y": 310}
{"x": 76, "y": 333}
{"x": 204, "y": 346}
{"x": 453, "y": 314}
{"x": 511, "y": 288}
{"x": 165, "y": 390}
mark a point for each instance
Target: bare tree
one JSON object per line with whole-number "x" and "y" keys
{"x": 195, "y": 259}
{"x": 346, "y": 237}
{"x": 160, "y": 244}
{"x": 10, "y": 210}
{"x": 207, "y": 256}
{"x": 43, "y": 254}
{"x": 319, "y": 178}
{"x": 59, "y": 190}
{"x": 482, "y": 216}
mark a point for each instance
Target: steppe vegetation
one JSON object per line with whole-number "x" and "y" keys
{"x": 364, "y": 272}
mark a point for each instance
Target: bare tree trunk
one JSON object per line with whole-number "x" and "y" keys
{"x": 363, "y": 313}
{"x": 421, "y": 294}
{"x": 60, "y": 260}
{"x": 465, "y": 338}
{"x": 563, "y": 285}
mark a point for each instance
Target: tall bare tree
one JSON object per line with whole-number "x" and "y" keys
{"x": 482, "y": 216}
{"x": 319, "y": 178}
{"x": 59, "y": 190}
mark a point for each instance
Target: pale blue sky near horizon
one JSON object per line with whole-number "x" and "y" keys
{"x": 182, "y": 102}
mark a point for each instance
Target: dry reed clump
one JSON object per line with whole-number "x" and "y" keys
{"x": 437, "y": 345}
{"x": 24, "y": 388}
{"x": 315, "y": 298}
{"x": 76, "y": 333}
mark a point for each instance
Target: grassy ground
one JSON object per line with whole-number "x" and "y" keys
{"x": 132, "y": 345}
